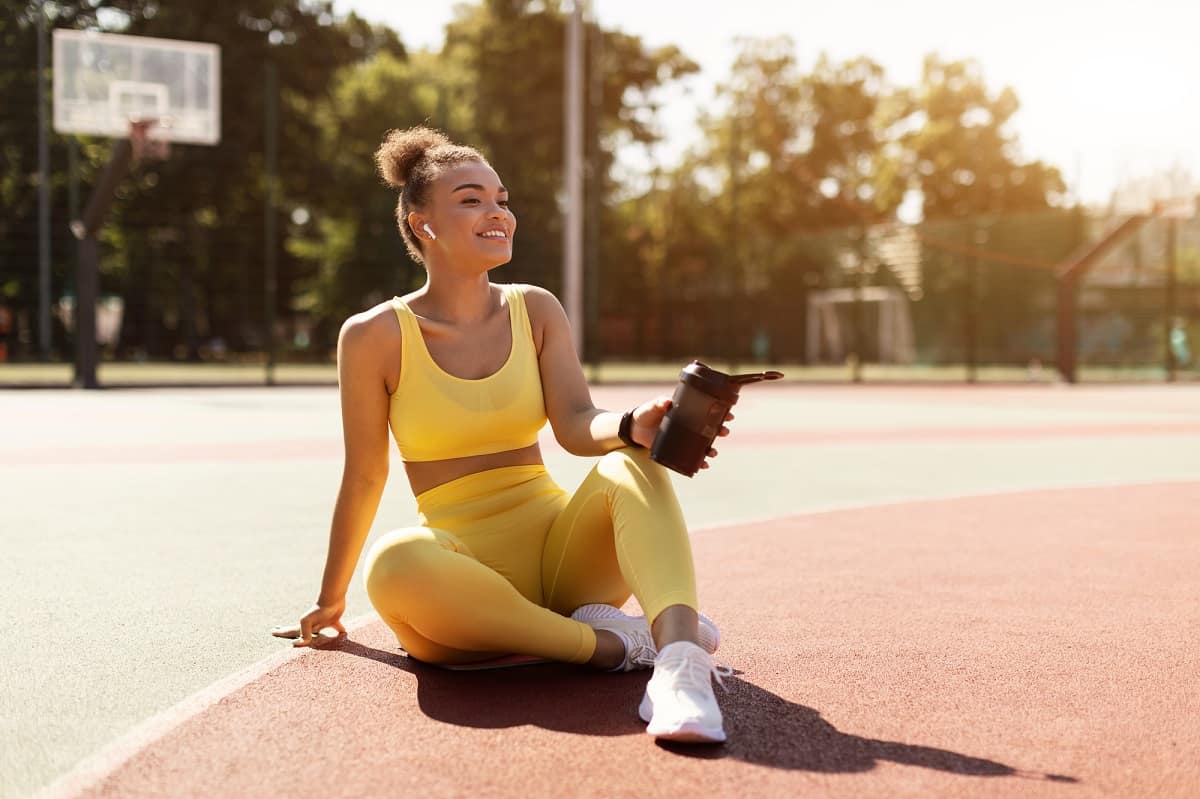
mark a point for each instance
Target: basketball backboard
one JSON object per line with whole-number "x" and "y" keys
{"x": 103, "y": 82}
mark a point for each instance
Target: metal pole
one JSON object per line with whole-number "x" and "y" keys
{"x": 73, "y": 177}
{"x": 1070, "y": 275}
{"x": 573, "y": 177}
{"x": 1067, "y": 302}
{"x": 860, "y": 279}
{"x": 69, "y": 286}
{"x": 969, "y": 310}
{"x": 87, "y": 287}
{"x": 729, "y": 302}
{"x": 270, "y": 288}
{"x": 87, "y": 276}
{"x": 593, "y": 190}
{"x": 43, "y": 193}
{"x": 1170, "y": 299}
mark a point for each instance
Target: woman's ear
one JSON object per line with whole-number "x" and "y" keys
{"x": 420, "y": 226}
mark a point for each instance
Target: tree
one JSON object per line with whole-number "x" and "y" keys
{"x": 992, "y": 210}
{"x": 215, "y": 196}
{"x": 351, "y": 243}
{"x": 513, "y": 52}
{"x": 184, "y": 239}
{"x": 961, "y": 158}
{"x": 787, "y": 155}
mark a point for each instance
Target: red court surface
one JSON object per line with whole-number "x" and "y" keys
{"x": 1024, "y": 644}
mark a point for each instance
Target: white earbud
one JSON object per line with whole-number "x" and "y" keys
{"x": 429, "y": 231}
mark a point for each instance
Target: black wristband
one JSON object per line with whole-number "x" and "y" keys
{"x": 624, "y": 430}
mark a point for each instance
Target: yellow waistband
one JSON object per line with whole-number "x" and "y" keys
{"x": 469, "y": 486}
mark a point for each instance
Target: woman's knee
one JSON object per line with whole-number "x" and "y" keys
{"x": 402, "y": 558}
{"x": 626, "y": 458}
{"x": 619, "y": 465}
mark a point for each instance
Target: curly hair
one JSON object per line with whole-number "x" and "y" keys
{"x": 409, "y": 161}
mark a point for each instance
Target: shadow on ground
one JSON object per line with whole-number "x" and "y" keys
{"x": 764, "y": 729}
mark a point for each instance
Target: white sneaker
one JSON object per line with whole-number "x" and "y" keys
{"x": 679, "y": 704}
{"x": 634, "y": 632}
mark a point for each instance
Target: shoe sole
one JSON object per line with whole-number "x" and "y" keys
{"x": 690, "y": 733}
{"x": 684, "y": 732}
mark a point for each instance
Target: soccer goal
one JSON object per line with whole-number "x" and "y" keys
{"x": 887, "y": 320}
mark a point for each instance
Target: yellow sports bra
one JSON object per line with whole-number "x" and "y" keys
{"x": 435, "y": 415}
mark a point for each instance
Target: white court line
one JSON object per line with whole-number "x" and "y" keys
{"x": 108, "y": 759}
{"x": 834, "y": 507}
{"x": 95, "y": 767}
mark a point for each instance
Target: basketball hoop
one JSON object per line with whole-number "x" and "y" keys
{"x": 144, "y": 145}
{"x": 144, "y": 91}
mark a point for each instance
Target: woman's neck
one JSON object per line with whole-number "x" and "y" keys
{"x": 458, "y": 299}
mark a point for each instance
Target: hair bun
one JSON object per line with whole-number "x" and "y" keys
{"x": 402, "y": 149}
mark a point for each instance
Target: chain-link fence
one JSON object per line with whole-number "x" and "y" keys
{"x": 962, "y": 299}
{"x": 974, "y": 296}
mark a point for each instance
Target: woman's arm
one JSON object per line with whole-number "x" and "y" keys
{"x": 579, "y": 427}
{"x": 364, "y": 397}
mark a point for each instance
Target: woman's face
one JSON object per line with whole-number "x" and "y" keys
{"x": 467, "y": 209}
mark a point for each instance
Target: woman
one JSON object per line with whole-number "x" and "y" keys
{"x": 465, "y": 372}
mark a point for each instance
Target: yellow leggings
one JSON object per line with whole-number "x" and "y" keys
{"x": 502, "y": 557}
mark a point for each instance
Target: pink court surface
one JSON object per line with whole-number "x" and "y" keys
{"x": 934, "y": 591}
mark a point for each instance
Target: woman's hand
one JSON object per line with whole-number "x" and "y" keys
{"x": 648, "y": 416}
{"x": 311, "y": 625}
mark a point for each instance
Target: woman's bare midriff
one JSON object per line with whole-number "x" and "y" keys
{"x": 424, "y": 475}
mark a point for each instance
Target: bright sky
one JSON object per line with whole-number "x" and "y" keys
{"x": 1107, "y": 87}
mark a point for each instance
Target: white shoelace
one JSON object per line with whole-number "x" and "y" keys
{"x": 694, "y": 669}
{"x": 642, "y": 655}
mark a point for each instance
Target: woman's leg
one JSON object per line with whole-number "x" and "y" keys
{"x": 623, "y": 532}
{"x": 446, "y": 607}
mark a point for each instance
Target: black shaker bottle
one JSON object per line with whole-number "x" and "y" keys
{"x": 698, "y": 409}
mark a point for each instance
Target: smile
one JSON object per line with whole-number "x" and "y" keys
{"x": 494, "y": 234}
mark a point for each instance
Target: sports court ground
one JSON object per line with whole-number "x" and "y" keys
{"x": 924, "y": 590}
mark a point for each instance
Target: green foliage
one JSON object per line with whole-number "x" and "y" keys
{"x": 964, "y": 161}
{"x": 513, "y": 53}
{"x": 354, "y": 252}
{"x": 795, "y": 167}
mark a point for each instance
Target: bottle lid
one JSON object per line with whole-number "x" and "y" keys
{"x": 724, "y": 387}
{"x": 702, "y": 377}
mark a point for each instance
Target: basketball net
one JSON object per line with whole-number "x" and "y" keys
{"x": 144, "y": 145}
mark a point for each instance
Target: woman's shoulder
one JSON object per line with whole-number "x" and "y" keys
{"x": 374, "y": 326}
{"x": 529, "y": 288}
{"x": 536, "y": 297}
